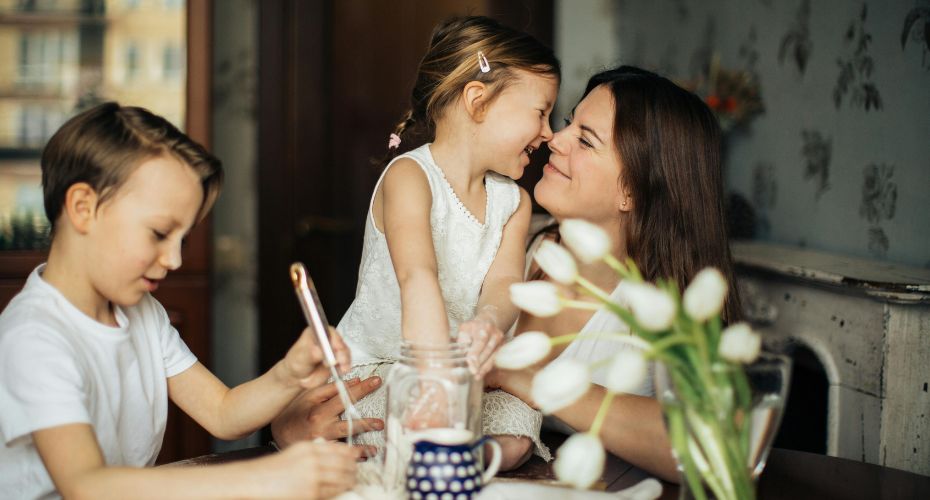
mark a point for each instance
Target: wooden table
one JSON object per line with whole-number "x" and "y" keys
{"x": 788, "y": 475}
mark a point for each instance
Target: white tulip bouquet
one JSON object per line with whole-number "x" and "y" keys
{"x": 708, "y": 423}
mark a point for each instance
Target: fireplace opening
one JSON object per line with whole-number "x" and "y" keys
{"x": 804, "y": 424}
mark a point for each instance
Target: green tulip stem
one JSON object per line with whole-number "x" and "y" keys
{"x": 597, "y": 365}
{"x": 581, "y": 304}
{"x": 713, "y": 332}
{"x": 616, "y": 265}
{"x": 601, "y": 414}
{"x": 671, "y": 340}
{"x": 592, "y": 289}
{"x": 563, "y": 339}
{"x": 613, "y": 336}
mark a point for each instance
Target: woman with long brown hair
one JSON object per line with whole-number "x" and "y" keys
{"x": 640, "y": 158}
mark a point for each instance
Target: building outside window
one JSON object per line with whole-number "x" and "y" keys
{"x": 59, "y": 57}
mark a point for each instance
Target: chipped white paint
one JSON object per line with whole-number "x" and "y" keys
{"x": 905, "y": 433}
{"x": 869, "y": 325}
{"x": 882, "y": 279}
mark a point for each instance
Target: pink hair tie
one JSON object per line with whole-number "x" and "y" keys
{"x": 393, "y": 141}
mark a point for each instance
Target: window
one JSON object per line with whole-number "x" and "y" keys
{"x": 131, "y": 61}
{"x": 171, "y": 62}
{"x": 41, "y": 58}
{"x": 62, "y": 57}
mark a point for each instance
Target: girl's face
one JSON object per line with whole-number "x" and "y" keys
{"x": 517, "y": 123}
{"x": 136, "y": 235}
{"x": 582, "y": 178}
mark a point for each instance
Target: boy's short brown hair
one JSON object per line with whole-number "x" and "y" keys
{"x": 105, "y": 144}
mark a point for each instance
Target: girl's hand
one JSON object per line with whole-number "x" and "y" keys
{"x": 304, "y": 360}
{"x": 483, "y": 337}
{"x": 308, "y": 469}
{"x": 430, "y": 409}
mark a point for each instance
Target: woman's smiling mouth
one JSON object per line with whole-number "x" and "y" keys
{"x": 551, "y": 169}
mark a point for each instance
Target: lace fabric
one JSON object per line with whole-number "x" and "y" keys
{"x": 464, "y": 247}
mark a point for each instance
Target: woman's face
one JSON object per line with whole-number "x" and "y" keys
{"x": 582, "y": 178}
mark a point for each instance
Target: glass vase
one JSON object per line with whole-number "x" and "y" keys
{"x": 721, "y": 422}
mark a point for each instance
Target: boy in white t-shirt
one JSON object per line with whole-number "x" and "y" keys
{"x": 88, "y": 359}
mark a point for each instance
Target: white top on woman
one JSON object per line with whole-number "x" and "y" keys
{"x": 588, "y": 348}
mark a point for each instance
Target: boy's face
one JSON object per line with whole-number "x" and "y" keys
{"x": 136, "y": 236}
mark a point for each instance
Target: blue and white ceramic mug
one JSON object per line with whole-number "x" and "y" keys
{"x": 444, "y": 465}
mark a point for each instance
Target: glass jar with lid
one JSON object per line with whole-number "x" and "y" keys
{"x": 429, "y": 387}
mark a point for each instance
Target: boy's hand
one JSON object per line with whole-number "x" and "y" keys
{"x": 483, "y": 337}
{"x": 304, "y": 361}
{"x": 309, "y": 469}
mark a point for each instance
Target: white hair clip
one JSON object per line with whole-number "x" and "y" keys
{"x": 483, "y": 62}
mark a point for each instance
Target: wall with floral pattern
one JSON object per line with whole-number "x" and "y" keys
{"x": 840, "y": 158}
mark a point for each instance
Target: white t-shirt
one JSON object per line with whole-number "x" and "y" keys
{"x": 588, "y": 348}
{"x": 59, "y": 366}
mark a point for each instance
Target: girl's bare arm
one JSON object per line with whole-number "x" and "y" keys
{"x": 406, "y": 201}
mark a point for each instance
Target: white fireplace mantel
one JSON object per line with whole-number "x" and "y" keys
{"x": 869, "y": 324}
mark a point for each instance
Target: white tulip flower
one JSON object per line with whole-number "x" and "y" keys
{"x": 524, "y": 350}
{"x": 653, "y": 309}
{"x": 555, "y": 260}
{"x": 538, "y": 298}
{"x": 560, "y": 384}
{"x": 705, "y": 295}
{"x": 589, "y": 242}
{"x": 626, "y": 371}
{"x": 740, "y": 344}
{"x": 580, "y": 460}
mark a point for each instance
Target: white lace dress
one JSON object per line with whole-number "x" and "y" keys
{"x": 465, "y": 249}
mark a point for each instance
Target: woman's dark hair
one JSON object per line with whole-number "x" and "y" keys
{"x": 669, "y": 146}
{"x": 451, "y": 61}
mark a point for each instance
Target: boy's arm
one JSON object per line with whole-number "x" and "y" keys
{"x": 75, "y": 463}
{"x": 234, "y": 413}
{"x": 494, "y": 303}
{"x": 406, "y": 204}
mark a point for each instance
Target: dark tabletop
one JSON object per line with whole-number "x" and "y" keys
{"x": 788, "y": 475}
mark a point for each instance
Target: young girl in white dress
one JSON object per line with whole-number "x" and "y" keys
{"x": 445, "y": 232}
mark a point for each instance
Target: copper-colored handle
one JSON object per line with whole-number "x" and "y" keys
{"x": 312, "y": 309}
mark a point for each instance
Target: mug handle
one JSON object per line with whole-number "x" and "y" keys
{"x": 491, "y": 469}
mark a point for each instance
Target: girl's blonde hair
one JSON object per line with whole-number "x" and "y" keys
{"x": 452, "y": 60}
